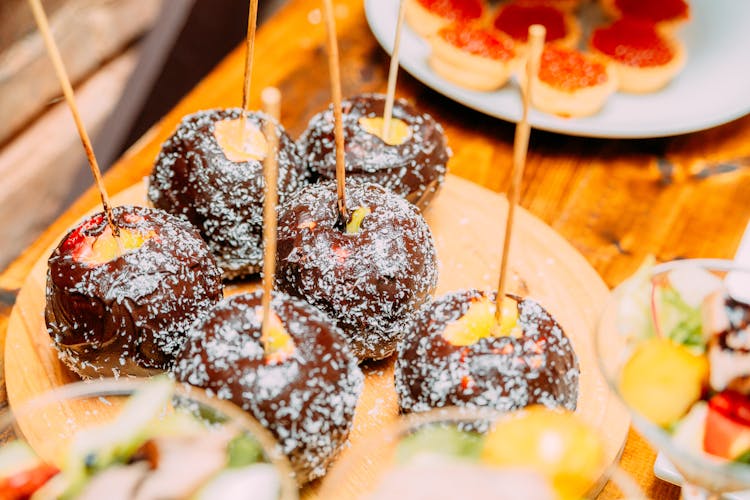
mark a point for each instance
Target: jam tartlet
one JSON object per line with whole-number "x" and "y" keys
{"x": 207, "y": 176}
{"x": 427, "y": 16}
{"x": 644, "y": 58}
{"x": 371, "y": 276}
{"x": 667, "y": 14}
{"x": 300, "y": 381}
{"x": 454, "y": 354}
{"x": 124, "y": 307}
{"x": 473, "y": 56}
{"x": 412, "y": 163}
{"x": 571, "y": 83}
{"x": 514, "y": 19}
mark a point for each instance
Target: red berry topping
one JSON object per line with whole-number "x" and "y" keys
{"x": 570, "y": 70}
{"x": 455, "y": 10}
{"x": 479, "y": 41}
{"x": 516, "y": 19}
{"x": 633, "y": 42}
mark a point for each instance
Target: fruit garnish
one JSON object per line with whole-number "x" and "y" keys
{"x": 478, "y": 322}
{"x": 243, "y": 450}
{"x": 727, "y": 432}
{"x": 440, "y": 439}
{"x": 355, "y": 223}
{"x": 397, "y": 135}
{"x": 96, "y": 448}
{"x": 25, "y": 483}
{"x": 21, "y": 472}
{"x": 240, "y": 145}
{"x": 278, "y": 345}
{"x": 556, "y": 444}
{"x": 95, "y": 251}
{"x": 662, "y": 380}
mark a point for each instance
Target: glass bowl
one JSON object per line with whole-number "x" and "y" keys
{"x": 623, "y": 329}
{"x": 381, "y": 467}
{"x": 53, "y": 423}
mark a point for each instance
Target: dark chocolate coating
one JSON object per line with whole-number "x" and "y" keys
{"x": 505, "y": 373}
{"x": 414, "y": 170}
{"x": 373, "y": 282}
{"x": 129, "y": 316}
{"x": 193, "y": 178}
{"x": 307, "y": 401}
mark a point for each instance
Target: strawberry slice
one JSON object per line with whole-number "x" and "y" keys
{"x": 727, "y": 425}
{"x": 23, "y": 484}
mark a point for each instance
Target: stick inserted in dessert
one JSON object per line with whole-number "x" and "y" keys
{"x": 124, "y": 285}
{"x": 210, "y": 173}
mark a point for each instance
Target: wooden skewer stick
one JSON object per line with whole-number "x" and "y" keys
{"x": 335, "y": 72}
{"x": 252, "y": 25}
{"x": 271, "y": 98}
{"x": 62, "y": 75}
{"x": 537, "y": 34}
{"x": 393, "y": 74}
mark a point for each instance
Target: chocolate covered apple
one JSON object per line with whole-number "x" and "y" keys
{"x": 411, "y": 162}
{"x": 370, "y": 274}
{"x": 299, "y": 379}
{"x": 122, "y": 306}
{"x": 210, "y": 173}
{"x": 455, "y": 354}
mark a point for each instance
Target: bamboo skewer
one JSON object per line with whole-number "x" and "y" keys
{"x": 537, "y": 34}
{"x": 335, "y": 74}
{"x": 271, "y": 98}
{"x": 252, "y": 25}
{"x": 393, "y": 73}
{"x": 62, "y": 75}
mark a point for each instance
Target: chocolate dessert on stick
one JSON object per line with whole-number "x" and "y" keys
{"x": 210, "y": 170}
{"x": 124, "y": 285}
{"x": 62, "y": 75}
{"x": 370, "y": 269}
{"x": 393, "y": 73}
{"x": 537, "y": 34}
{"x": 476, "y": 349}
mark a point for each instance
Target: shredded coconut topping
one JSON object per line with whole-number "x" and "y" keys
{"x": 372, "y": 282}
{"x": 504, "y": 373}
{"x": 130, "y": 315}
{"x": 414, "y": 170}
{"x": 307, "y": 401}
{"x": 193, "y": 178}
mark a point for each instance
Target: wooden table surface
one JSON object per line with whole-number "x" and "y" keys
{"x": 616, "y": 201}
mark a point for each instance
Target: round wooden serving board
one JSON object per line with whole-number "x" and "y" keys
{"x": 467, "y": 224}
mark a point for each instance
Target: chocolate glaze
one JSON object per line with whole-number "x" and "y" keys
{"x": 373, "y": 282}
{"x": 129, "y": 316}
{"x": 414, "y": 170}
{"x": 307, "y": 400}
{"x": 193, "y": 178}
{"x": 504, "y": 373}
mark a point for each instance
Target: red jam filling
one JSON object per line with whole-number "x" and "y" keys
{"x": 516, "y": 19}
{"x": 570, "y": 70}
{"x": 653, "y": 10}
{"x": 632, "y": 42}
{"x": 455, "y": 10}
{"x": 478, "y": 41}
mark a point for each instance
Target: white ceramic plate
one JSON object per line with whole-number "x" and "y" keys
{"x": 712, "y": 89}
